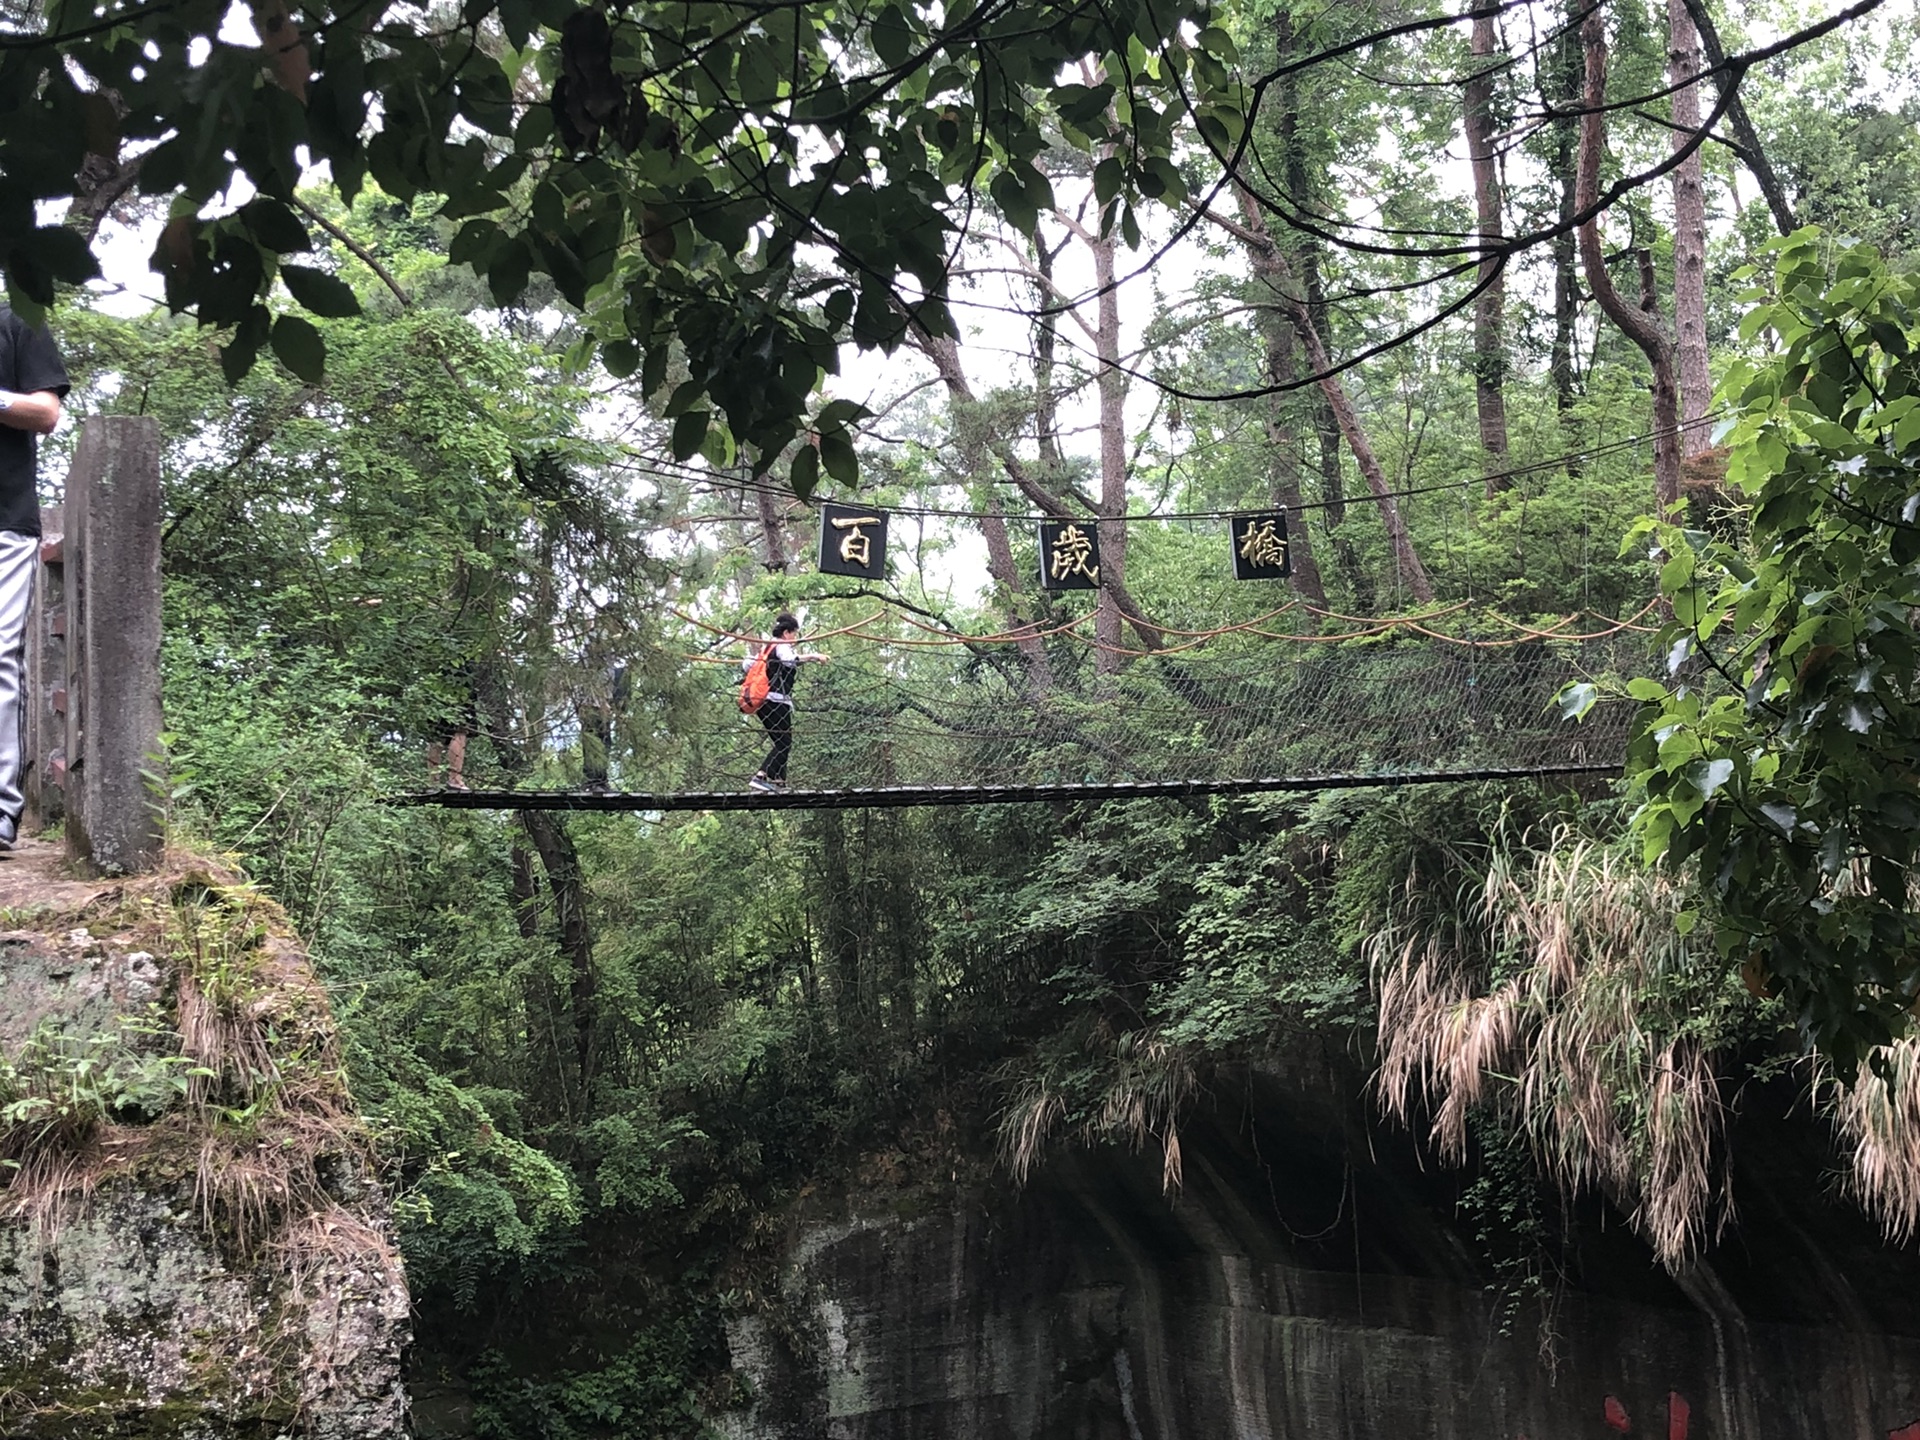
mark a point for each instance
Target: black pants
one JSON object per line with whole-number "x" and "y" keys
{"x": 778, "y": 719}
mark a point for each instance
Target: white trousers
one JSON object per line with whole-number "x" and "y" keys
{"x": 19, "y": 563}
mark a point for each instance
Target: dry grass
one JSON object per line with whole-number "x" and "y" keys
{"x": 265, "y": 1116}
{"x": 1132, "y": 1089}
{"x": 1879, "y": 1116}
{"x": 1542, "y": 999}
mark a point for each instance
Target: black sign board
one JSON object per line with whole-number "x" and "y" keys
{"x": 853, "y": 541}
{"x": 1069, "y": 555}
{"x": 1260, "y": 546}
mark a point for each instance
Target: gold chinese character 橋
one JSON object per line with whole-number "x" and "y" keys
{"x": 856, "y": 546}
{"x": 1071, "y": 551}
{"x": 1260, "y": 546}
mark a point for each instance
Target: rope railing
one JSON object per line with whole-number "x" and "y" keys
{"x": 1409, "y": 704}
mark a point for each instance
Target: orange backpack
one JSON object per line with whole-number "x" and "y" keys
{"x": 755, "y": 688}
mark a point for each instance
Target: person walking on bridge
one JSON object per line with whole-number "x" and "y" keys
{"x": 33, "y": 382}
{"x": 783, "y": 661}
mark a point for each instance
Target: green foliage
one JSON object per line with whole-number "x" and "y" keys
{"x": 643, "y": 1390}
{"x": 1779, "y": 757}
{"x": 663, "y": 176}
{"x": 62, "y": 1083}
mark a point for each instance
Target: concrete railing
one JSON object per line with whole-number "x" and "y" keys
{"x": 93, "y": 654}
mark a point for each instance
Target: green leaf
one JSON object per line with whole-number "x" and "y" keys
{"x": 837, "y": 455}
{"x": 1160, "y": 181}
{"x": 1108, "y": 178}
{"x": 1577, "y": 699}
{"x": 508, "y": 270}
{"x": 893, "y": 40}
{"x": 689, "y": 430}
{"x": 1216, "y": 41}
{"x": 838, "y": 414}
{"x": 1709, "y": 775}
{"x": 325, "y": 295}
{"x": 299, "y": 347}
{"x": 805, "y": 473}
{"x": 1011, "y": 196}
{"x": 275, "y": 226}
{"x": 474, "y": 243}
{"x": 621, "y": 357}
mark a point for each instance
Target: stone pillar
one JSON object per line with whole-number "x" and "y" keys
{"x": 116, "y": 772}
{"x": 46, "y": 678}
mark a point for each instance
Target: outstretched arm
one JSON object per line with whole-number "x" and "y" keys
{"x": 36, "y": 410}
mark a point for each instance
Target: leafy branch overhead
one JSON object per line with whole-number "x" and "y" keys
{"x": 746, "y": 184}
{"x": 1781, "y": 756}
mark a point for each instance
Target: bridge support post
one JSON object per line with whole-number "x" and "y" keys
{"x": 96, "y": 641}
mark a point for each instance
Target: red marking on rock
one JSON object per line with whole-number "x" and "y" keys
{"x": 60, "y": 701}
{"x": 1616, "y": 1414}
{"x": 1905, "y": 1432}
{"x": 1679, "y": 1415}
{"x": 57, "y": 623}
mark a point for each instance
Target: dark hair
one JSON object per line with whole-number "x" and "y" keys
{"x": 785, "y": 625}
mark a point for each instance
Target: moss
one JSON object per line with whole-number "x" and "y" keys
{"x": 173, "y": 1291}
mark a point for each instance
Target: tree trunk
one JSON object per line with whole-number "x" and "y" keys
{"x": 1489, "y": 320}
{"x": 772, "y": 527}
{"x": 1046, "y": 341}
{"x": 1283, "y": 466}
{"x": 567, "y": 885}
{"x": 1566, "y": 280}
{"x": 844, "y": 919}
{"x": 526, "y": 891}
{"x": 1333, "y": 511}
{"x": 1033, "y": 652}
{"x": 1752, "y": 155}
{"x": 1643, "y": 329}
{"x": 944, "y": 352}
{"x": 1112, "y": 384}
{"x": 1689, "y": 237}
{"x": 565, "y": 881}
{"x": 1271, "y": 266}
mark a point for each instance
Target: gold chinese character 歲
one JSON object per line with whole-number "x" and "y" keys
{"x": 1071, "y": 551}
{"x": 856, "y": 546}
{"x": 1259, "y": 545}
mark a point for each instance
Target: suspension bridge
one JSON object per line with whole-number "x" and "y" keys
{"x": 915, "y": 714}
{"x": 1244, "y": 709}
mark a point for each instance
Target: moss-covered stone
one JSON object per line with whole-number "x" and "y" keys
{"x": 222, "y": 1268}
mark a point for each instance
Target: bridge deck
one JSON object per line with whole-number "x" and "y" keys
{"x": 896, "y": 796}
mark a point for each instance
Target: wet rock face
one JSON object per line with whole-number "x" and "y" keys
{"x": 1255, "y": 1307}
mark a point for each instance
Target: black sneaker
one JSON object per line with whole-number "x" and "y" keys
{"x": 761, "y": 783}
{"x": 9, "y": 832}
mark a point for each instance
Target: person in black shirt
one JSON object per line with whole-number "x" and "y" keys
{"x": 33, "y": 382}
{"x": 783, "y": 663}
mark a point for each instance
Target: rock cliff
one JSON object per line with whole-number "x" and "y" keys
{"x": 1312, "y": 1281}
{"x": 191, "y": 1246}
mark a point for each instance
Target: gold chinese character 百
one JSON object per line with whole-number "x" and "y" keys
{"x": 856, "y": 546}
{"x": 1071, "y": 551}
{"x": 1260, "y": 546}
